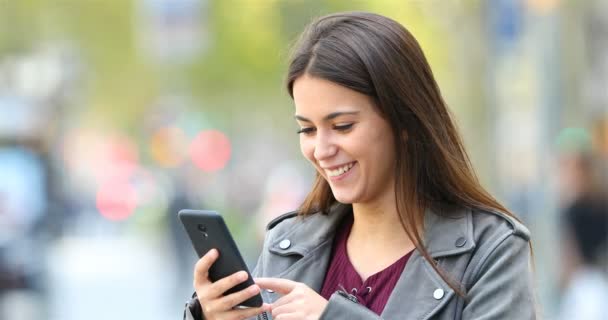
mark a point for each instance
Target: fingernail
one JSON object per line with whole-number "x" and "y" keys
{"x": 243, "y": 275}
{"x": 254, "y": 289}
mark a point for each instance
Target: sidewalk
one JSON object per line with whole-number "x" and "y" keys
{"x": 111, "y": 278}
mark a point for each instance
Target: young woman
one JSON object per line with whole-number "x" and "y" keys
{"x": 396, "y": 225}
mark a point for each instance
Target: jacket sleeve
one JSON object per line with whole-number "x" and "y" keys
{"x": 503, "y": 288}
{"x": 193, "y": 310}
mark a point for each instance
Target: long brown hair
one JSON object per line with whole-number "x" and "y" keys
{"x": 378, "y": 57}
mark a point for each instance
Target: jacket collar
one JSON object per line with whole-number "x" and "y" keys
{"x": 447, "y": 232}
{"x": 310, "y": 232}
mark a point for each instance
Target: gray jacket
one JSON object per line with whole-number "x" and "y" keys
{"x": 487, "y": 253}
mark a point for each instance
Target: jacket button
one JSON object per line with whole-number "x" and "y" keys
{"x": 285, "y": 244}
{"x": 438, "y": 294}
{"x": 460, "y": 242}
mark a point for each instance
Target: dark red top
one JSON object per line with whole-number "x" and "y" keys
{"x": 374, "y": 292}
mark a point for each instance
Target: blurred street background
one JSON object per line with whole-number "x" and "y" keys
{"x": 116, "y": 114}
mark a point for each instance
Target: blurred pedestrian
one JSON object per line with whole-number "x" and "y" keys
{"x": 23, "y": 209}
{"x": 584, "y": 223}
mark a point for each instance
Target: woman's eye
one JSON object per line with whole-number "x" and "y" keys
{"x": 306, "y": 131}
{"x": 343, "y": 127}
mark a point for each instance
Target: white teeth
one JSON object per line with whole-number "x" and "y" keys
{"x": 339, "y": 171}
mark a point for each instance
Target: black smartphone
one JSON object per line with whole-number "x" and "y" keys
{"x": 207, "y": 230}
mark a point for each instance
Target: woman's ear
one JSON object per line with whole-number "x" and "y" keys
{"x": 404, "y": 136}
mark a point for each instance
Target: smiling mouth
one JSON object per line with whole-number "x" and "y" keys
{"x": 341, "y": 170}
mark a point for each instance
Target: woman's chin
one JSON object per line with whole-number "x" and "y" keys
{"x": 345, "y": 199}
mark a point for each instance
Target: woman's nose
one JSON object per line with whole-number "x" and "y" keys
{"x": 324, "y": 148}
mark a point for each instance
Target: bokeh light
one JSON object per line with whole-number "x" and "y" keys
{"x": 210, "y": 150}
{"x": 97, "y": 157}
{"x": 169, "y": 146}
{"x": 116, "y": 200}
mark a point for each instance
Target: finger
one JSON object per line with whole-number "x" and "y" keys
{"x": 286, "y": 299}
{"x": 283, "y": 309}
{"x": 222, "y": 285}
{"x": 234, "y": 299}
{"x": 201, "y": 269}
{"x": 289, "y": 316}
{"x": 282, "y": 286}
{"x": 246, "y": 313}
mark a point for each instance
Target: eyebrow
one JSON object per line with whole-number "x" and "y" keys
{"x": 330, "y": 116}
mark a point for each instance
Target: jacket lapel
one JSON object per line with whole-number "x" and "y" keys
{"x": 416, "y": 295}
{"x": 312, "y": 239}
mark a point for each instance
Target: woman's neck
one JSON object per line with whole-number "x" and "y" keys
{"x": 378, "y": 224}
{"x": 376, "y": 239}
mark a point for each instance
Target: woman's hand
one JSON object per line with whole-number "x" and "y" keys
{"x": 299, "y": 302}
{"x": 215, "y": 305}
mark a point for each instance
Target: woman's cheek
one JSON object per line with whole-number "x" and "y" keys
{"x": 307, "y": 150}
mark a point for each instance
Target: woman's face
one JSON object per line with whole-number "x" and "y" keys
{"x": 345, "y": 138}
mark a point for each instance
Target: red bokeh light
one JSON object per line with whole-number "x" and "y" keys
{"x": 116, "y": 200}
{"x": 210, "y": 150}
